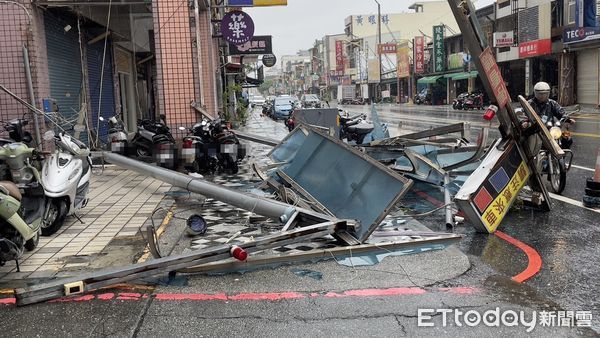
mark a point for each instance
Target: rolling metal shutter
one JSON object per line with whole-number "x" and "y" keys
{"x": 64, "y": 66}
{"x": 94, "y": 63}
{"x": 587, "y": 77}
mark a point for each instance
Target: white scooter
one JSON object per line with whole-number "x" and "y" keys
{"x": 66, "y": 179}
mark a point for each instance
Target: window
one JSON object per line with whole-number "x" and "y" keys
{"x": 570, "y": 12}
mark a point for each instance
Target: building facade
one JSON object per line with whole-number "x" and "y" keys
{"x": 129, "y": 58}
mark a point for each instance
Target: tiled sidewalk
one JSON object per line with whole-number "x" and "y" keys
{"x": 120, "y": 202}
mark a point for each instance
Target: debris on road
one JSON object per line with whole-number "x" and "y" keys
{"x": 106, "y": 277}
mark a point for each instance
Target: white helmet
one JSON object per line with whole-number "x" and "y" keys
{"x": 541, "y": 91}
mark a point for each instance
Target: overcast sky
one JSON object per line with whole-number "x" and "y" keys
{"x": 297, "y": 25}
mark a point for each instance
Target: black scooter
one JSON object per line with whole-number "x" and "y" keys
{"x": 154, "y": 139}
{"x": 354, "y": 128}
{"x": 210, "y": 147}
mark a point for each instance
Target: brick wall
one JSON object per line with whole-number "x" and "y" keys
{"x": 16, "y": 30}
{"x": 174, "y": 62}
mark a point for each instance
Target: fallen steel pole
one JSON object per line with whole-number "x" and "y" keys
{"x": 258, "y": 205}
{"x": 258, "y": 139}
{"x": 106, "y": 277}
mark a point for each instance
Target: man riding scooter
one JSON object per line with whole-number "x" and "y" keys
{"x": 548, "y": 109}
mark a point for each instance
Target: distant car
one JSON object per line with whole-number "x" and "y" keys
{"x": 257, "y": 100}
{"x": 282, "y": 107}
{"x": 311, "y": 101}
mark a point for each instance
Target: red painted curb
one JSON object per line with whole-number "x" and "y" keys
{"x": 534, "y": 264}
{"x": 260, "y": 296}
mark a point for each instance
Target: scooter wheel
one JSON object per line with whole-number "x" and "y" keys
{"x": 57, "y": 215}
{"x": 32, "y": 243}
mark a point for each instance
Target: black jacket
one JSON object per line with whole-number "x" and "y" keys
{"x": 548, "y": 108}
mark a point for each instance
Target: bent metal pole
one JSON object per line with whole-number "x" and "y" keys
{"x": 258, "y": 205}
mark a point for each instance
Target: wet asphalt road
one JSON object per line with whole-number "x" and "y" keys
{"x": 567, "y": 238}
{"x": 475, "y": 275}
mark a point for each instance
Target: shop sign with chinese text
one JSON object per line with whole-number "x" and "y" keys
{"x": 237, "y": 27}
{"x": 419, "y": 54}
{"x": 438, "y": 49}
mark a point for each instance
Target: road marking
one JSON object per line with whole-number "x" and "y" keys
{"x": 534, "y": 261}
{"x": 146, "y": 254}
{"x": 585, "y": 134}
{"x": 582, "y": 168}
{"x": 587, "y": 116}
{"x": 572, "y": 202}
{"x": 262, "y": 296}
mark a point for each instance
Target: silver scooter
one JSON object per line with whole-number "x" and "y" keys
{"x": 66, "y": 179}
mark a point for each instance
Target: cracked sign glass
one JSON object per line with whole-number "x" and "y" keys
{"x": 237, "y": 27}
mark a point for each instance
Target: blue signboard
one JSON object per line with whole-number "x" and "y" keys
{"x": 240, "y": 3}
{"x": 580, "y": 34}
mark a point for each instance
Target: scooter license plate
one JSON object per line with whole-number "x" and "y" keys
{"x": 229, "y": 148}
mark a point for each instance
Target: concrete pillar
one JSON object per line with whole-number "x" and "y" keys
{"x": 174, "y": 62}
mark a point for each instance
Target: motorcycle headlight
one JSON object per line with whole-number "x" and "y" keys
{"x": 555, "y": 132}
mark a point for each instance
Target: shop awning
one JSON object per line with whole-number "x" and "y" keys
{"x": 464, "y": 75}
{"x": 429, "y": 79}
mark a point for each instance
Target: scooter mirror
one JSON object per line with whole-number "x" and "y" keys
{"x": 48, "y": 135}
{"x": 79, "y": 127}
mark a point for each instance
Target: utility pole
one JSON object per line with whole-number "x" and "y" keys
{"x": 379, "y": 42}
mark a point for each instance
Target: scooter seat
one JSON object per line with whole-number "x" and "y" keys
{"x": 11, "y": 189}
{"x": 361, "y": 128}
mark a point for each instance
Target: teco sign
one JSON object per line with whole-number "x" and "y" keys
{"x": 572, "y": 35}
{"x": 504, "y": 39}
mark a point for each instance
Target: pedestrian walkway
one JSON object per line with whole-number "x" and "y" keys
{"x": 120, "y": 202}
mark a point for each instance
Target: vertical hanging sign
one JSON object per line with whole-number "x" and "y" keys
{"x": 419, "y": 47}
{"x": 339, "y": 55}
{"x": 438, "y": 49}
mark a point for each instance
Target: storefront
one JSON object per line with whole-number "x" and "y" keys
{"x": 437, "y": 86}
{"x": 588, "y": 62}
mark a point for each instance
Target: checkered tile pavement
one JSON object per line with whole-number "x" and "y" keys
{"x": 232, "y": 225}
{"x": 120, "y": 202}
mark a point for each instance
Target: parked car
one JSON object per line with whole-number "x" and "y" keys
{"x": 311, "y": 101}
{"x": 257, "y": 100}
{"x": 282, "y": 107}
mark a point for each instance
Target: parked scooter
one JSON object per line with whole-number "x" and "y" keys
{"x": 458, "y": 102}
{"x": 22, "y": 213}
{"x": 152, "y": 139}
{"x": 211, "y": 146}
{"x": 66, "y": 179}
{"x": 118, "y": 137}
{"x": 473, "y": 101}
{"x": 354, "y": 128}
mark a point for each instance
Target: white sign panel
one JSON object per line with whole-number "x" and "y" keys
{"x": 504, "y": 39}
